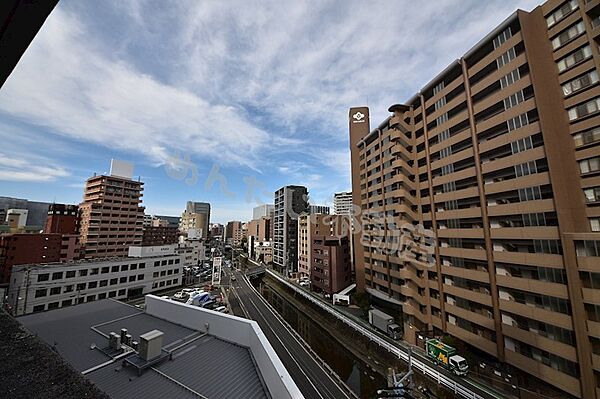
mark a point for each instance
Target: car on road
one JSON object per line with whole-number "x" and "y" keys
{"x": 233, "y": 278}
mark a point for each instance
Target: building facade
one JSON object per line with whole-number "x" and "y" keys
{"x": 234, "y": 233}
{"x": 37, "y": 211}
{"x": 290, "y": 202}
{"x": 111, "y": 216}
{"x": 342, "y": 203}
{"x": 331, "y": 270}
{"x": 160, "y": 235}
{"x": 498, "y": 158}
{"x": 62, "y": 219}
{"x": 197, "y": 217}
{"x": 40, "y": 287}
{"x": 263, "y": 211}
{"x": 318, "y": 210}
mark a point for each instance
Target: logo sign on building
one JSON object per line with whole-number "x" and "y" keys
{"x": 216, "y": 274}
{"x": 358, "y": 117}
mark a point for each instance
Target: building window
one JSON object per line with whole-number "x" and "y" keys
{"x": 57, "y": 275}
{"x": 592, "y": 194}
{"x": 83, "y": 273}
{"x": 142, "y": 265}
{"x": 562, "y": 12}
{"x": 39, "y": 308}
{"x": 123, "y": 280}
{"x": 587, "y": 137}
{"x": 70, "y": 274}
{"x": 140, "y": 277}
{"x": 103, "y": 283}
{"x": 567, "y": 35}
{"x": 589, "y": 165}
{"x": 91, "y": 298}
{"x": 53, "y": 305}
{"x": 92, "y": 284}
{"x": 121, "y": 292}
{"x": 41, "y": 292}
{"x": 580, "y": 83}
{"x": 105, "y": 270}
{"x": 112, "y": 294}
{"x": 43, "y": 277}
{"x": 161, "y": 284}
{"x": 114, "y": 269}
{"x": 131, "y": 278}
{"x": 595, "y": 224}
{"x": 526, "y": 169}
{"x": 505, "y": 58}
{"x": 69, "y": 288}
{"x": 530, "y": 194}
{"x": 67, "y": 302}
{"x": 514, "y": 99}
{"x": 521, "y": 145}
{"x": 80, "y": 286}
{"x": 587, "y": 248}
{"x": 94, "y": 271}
{"x": 157, "y": 263}
{"x": 102, "y": 296}
{"x": 510, "y": 78}
{"x": 534, "y": 219}
{"x": 517, "y": 122}
{"x": 124, "y": 268}
{"x": 575, "y": 58}
{"x": 54, "y": 290}
{"x": 502, "y": 37}
{"x": 133, "y": 267}
{"x": 584, "y": 109}
{"x": 547, "y": 247}
{"x": 590, "y": 279}
{"x": 114, "y": 281}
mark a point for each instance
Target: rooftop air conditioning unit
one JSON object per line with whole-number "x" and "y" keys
{"x": 151, "y": 344}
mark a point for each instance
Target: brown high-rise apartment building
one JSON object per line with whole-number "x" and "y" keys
{"x": 499, "y": 156}
{"x": 111, "y": 216}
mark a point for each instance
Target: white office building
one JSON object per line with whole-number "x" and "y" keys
{"x": 40, "y": 287}
{"x": 342, "y": 203}
{"x": 263, "y": 211}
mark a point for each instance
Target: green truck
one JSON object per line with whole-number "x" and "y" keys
{"x": 446, "y": 356}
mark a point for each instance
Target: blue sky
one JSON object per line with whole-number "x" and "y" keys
{"x": 256, "y": 92}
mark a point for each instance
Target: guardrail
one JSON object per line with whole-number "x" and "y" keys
{"x": 459, "y": 388}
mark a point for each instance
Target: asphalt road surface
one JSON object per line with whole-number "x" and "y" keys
{"x": 308, "y": 374}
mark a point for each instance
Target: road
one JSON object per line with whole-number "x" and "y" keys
{"x": 308, "y": 374}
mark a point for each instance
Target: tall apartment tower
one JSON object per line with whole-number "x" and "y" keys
{"x": 290, "y": 202}
{"x": 342, "y": 203}
{"x": 499, "y": 156}
{"x": 111, "y": 216}
{"x": 196, "y": 216}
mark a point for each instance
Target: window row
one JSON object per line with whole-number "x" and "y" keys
{"x": 91, "y": 272}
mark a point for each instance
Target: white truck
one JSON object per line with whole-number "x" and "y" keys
{"x": 385, "y": 323}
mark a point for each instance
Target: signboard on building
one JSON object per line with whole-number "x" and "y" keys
{"x": 216, "y": 274}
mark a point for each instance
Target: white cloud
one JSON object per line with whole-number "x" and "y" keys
{"x": 17, "y": 169}
{"x": 82, "y": 95}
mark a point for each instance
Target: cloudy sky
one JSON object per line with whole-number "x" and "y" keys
{"x": 219, "y": 101}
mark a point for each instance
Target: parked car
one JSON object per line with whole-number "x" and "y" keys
{"x": 222, "y": 309}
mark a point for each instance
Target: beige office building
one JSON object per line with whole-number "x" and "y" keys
{"x": 499, "y": 157}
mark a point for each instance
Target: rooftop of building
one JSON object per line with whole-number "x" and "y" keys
{"x": 25, "y": 371}
{"x": 199, "y": 364}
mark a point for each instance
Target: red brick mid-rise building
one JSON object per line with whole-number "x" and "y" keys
{"x": 62, "y": 219}
{"x": 19, "y": 249}
{"x": 331, "y": 268}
